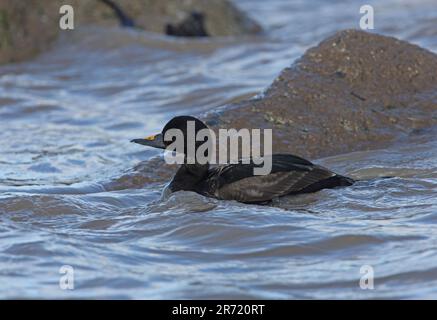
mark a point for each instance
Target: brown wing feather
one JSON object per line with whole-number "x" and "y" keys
{"x": 264, "y": 188}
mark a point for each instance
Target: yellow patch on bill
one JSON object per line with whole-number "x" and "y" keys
{"x": 150, "y": 138}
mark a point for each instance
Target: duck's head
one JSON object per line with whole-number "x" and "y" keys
{"x": 182, "y": 123}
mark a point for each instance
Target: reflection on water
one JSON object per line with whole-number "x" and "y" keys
{"x": 72, "y": 192}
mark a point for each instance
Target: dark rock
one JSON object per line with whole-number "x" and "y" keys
{"x": 192, "y": 26}
{"x": 30, "y": 27}
{"x": 125, "y": 21}
{"x": 219, "y": 17}
{"x": 26, "y": 28}
{"x": 354, "y": 91}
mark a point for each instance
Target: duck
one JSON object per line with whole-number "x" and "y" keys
{"x": 290, "y": 174}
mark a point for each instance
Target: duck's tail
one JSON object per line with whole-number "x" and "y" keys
{"x": 342, "y": 181}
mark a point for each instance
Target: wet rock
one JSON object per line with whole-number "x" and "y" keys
{"x": 192, "y": 26}
{"x": 154, "y": 170}
{"x": 354, "y": 91}
{"x": 125, "y": 21}
{"x": 30, "y": 27}
{"x": 26, "y": 28}
{"x": 219, "y": 17}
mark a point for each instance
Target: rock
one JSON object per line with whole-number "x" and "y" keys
{"x": 30, "y": 27}
{"x": 192, "y": 26}
{"x": 220, "y": 17}
{"x": 124, "y": 20}
{"x": 26, "y": 28}
{"x": 354, "y": 91}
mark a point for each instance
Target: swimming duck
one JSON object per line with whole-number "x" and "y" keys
{"x": 290, "y": 174}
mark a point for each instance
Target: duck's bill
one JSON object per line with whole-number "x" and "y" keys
{"x": 155, "y": 141}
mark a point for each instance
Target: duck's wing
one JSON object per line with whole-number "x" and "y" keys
{"x": 290, "y": 174}
{"x": 280, "y": 163}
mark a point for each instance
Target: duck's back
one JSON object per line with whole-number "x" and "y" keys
{"x": 289, "y": 175}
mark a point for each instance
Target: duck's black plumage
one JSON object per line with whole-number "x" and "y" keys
{"x": 289, "y": 175}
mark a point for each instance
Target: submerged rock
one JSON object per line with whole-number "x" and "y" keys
{"x": 29, "y": 27}
{"x": 354, "y": 91}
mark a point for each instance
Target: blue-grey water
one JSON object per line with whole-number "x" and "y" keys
{"x": 74, "y": 191}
